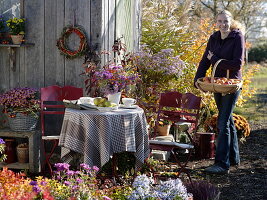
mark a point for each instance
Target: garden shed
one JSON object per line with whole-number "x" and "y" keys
{"x": 38, "y": 62}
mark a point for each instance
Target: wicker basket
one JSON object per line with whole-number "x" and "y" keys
{"x": 23, "y": 154}
{"x": 218, "y": 88}
{"x": 22, "y": 122}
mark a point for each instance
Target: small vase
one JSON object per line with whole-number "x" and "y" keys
{"x": 164, "y": 130}
{"x": 17, "y": 39}
{"x": 10, "y": 150}
{"x": 114, "y": 98}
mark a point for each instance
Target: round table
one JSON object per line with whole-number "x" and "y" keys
{"x": 98, "y": 135}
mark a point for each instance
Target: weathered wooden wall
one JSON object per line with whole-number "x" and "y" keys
{"x": 42, "y": 64}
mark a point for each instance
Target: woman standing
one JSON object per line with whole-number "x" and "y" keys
{"x": 228, "y": 44}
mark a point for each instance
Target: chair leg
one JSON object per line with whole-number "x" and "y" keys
{"x": 183, "y": 166}
{"x": 48, "y": 156}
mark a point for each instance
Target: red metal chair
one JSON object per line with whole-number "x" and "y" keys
{"x": 177, "y": 107}
{"x": 52, "y": 104}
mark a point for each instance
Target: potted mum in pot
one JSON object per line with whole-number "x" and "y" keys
{"x": 22, "y": 106}
{"x": 164, "y": 127}
{"x": 17, "y": 29}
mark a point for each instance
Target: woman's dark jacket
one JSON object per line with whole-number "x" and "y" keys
{"x": 231, "y": 48}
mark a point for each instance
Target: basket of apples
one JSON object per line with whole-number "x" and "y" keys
{"x": 223, "y": 85}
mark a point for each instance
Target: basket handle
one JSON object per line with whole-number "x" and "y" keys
{"x": 214, "y": 70}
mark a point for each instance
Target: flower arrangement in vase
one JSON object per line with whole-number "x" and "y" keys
{"x": 21, "y": 104}
{"x": 17, "y": 29}
{"x": 116, "y": 76}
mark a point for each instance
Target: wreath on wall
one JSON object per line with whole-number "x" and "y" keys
{"x": 62, "y": 42}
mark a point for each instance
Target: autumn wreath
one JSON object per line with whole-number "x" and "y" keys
{"x": 62, "y": 42}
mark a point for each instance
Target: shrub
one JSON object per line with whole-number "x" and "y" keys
{"x": 203, "y": 190}
{"x": 258, "y": 53}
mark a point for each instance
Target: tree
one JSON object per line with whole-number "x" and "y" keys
{"x": 251, "y": 13}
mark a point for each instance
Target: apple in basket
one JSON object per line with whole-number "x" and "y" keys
{"x": 206, "y": 79}
{"x": 226, "y": 81}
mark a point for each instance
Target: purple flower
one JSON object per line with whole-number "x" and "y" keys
{"x": 95, "y": 168}
{"x": 33, "y": 183}
{"x": 78, "y": 180}
{"x": 85, "y": 166}
{"x": 70, "y": 173}
{"x": 67, "y": 183}
{"x": 36, "y": 189}
{"x": 62, "y": 166}
{"x": 106, "y": 198}
{"x": 2, "y": 141}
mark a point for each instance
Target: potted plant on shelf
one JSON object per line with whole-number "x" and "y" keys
{"x": 164, "y": 127}
{"x": 17, "y": 29}
{"x": 22, "y": 106}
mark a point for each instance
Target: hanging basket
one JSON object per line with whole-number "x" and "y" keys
{"x": 22, "y": 122}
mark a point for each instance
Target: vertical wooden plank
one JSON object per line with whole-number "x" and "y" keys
{"x": 4, "y": 70}
{"x": 34, "y": 56}
{"x": 75, "y": 11}
{"x": 111, "y": 25}
{"x": 14, "y": 80}
{"x": 137, "y": 26}
{"x": 96, "y": 24}
{"x": 53, "y": 64}
{"x": 124, "y": 22}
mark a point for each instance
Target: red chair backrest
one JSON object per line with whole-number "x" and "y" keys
{"x": 52, "y": 98}
{"x": 178, "y": 107}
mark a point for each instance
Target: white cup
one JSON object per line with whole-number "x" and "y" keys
{"x": 128, "y": 102}
{"x": 88, "y": 100}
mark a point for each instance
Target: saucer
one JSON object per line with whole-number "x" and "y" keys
{"x": 128, "y": 107}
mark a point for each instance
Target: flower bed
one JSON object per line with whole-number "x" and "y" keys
{"x": 82, "y": 184}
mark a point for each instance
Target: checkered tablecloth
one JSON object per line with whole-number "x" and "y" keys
{"x": 97, "y": 135}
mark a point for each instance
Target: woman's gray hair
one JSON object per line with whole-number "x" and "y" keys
{"x": 235, "y": 25}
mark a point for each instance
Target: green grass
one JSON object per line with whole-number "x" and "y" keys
{"x": 255, "y": 108}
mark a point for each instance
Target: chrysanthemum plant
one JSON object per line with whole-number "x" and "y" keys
{"x": 21, "y": 100}
{"x": 16, "y": 26}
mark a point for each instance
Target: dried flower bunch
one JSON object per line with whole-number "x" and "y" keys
{"x": 20, "y": 100}
{"x": 16, "y": 25}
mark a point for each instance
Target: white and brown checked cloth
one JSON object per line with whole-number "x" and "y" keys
{"x": 98, "y": 135}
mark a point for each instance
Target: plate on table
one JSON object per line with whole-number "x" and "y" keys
{"x": 87, "y": 106}
{"x": 128, "y": 107}
{"x": 107, "y": 109}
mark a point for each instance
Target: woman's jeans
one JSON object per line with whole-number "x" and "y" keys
{"x": 227, "y": 151}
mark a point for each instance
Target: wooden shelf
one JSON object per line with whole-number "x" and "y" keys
{"x": 17, "y": 45}
{"x": 34, "y": 138}
{"x": 15, "y": 165}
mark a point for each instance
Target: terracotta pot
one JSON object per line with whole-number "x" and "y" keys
{"x": 17, "y": 39}
{"x": 164, "y": 130}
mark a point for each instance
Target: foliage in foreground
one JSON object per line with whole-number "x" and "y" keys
{"x": 83, "y": 185}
